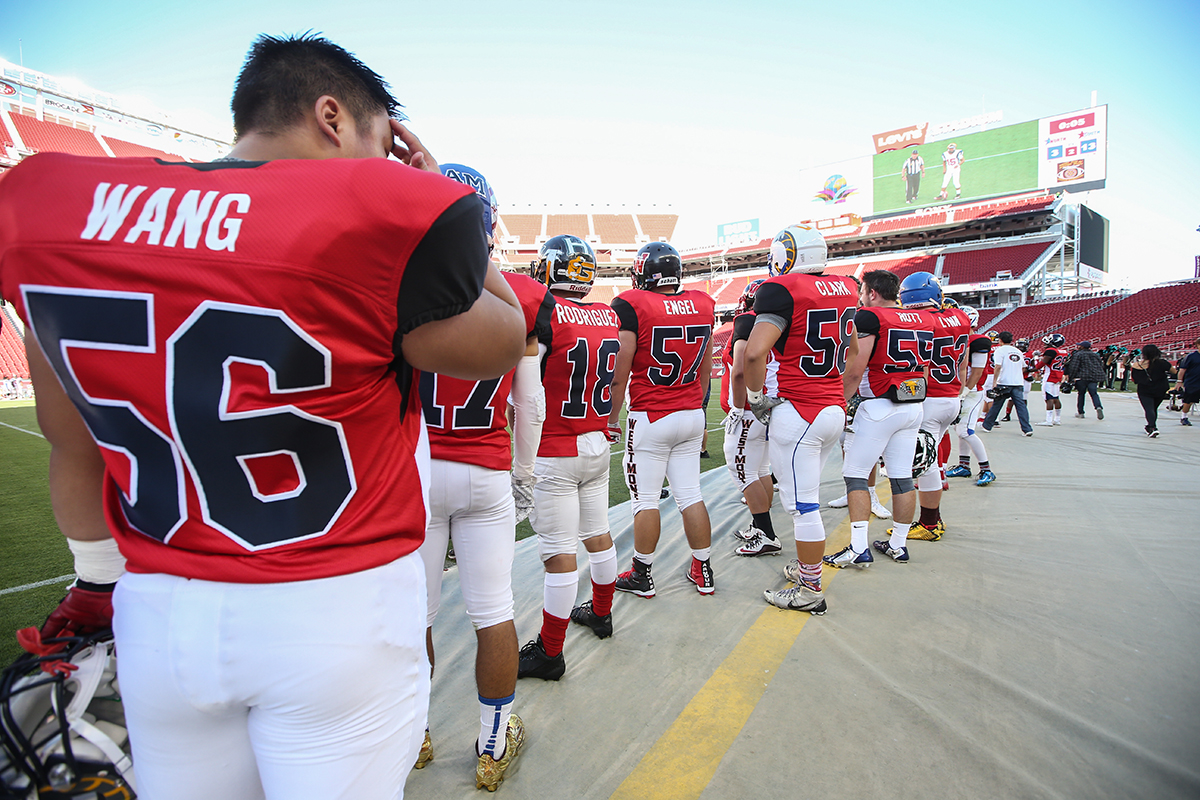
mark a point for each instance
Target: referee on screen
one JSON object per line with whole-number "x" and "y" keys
{"x": 913, "y": 171}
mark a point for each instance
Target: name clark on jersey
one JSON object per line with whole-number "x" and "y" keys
{"x": 190, "y": 217}
{"x": 832, "y": 289}
{"x": 601, "y": 316}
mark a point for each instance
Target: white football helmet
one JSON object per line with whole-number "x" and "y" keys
{"x": 925, "y": 455}
{"x": 798, "y": 248}
{"x": 972, "y": 314}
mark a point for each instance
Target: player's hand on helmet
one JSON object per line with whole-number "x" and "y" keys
{"x": 733, "y": 421}
{"x": 408, "y": 148}
{"x": 87, "y": 608}
{"x": 761, "y": 405}
{"x": 613, "y": 434}
{"x": 522, "y": 490}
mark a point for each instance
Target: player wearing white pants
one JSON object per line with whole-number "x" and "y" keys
{"x": 667, "y": 447}
{"x": 746, "y": 452}
{"x": 802, "y": 447}
{"x": 233, "y": 697}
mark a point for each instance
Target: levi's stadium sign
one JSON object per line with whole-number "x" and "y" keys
{"x": 894, "y": 140}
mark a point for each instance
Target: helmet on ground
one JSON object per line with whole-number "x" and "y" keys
{"x": 926, "y": 453}
{"x": 798, "y": 248}
{"x": 1022, "y": 344}
{"x": 748, "y": 294}
{"x": 920, "y": 289}
{"x": 972, "y": 315}
{"x": 62, "y": 728}
{"x": 1054, "y": 340}
{"x": 657, "y": 264}
{"x": 472, "y": 177}
{"x": 566, "y": 263}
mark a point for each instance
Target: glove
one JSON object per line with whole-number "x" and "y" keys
{"x": 761, "y": 405}
{"x": 613, "y": 434}
{"x": 733, "y": 422}
{"x": 522, "y": 496}
{"x": 87, "y": 608}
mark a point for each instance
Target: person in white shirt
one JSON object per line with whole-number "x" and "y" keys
{"x": 1008, "y": 361}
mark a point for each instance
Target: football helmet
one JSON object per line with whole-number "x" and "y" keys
{"x": 62, "y": 728}
{"x": 1022, "y": 344}
{"x": 566, "y": 263}
{"x": 972, "y": 314}
{"x": 746, "y": 303}
{"x": 471, "y": 177}
{"x": 925, "y": 455}
{"x": 949, "y": 302}
{"x": 920, "y": 289}
{"x": 994, "y": 336}
{"x": 1054, "y": 340}
{"x": 657, "y": 264}
{"x": 798, "y": 248}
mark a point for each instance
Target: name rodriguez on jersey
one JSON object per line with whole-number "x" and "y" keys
{"x": 600, "y": 316}
{"x": 210, "y": 214}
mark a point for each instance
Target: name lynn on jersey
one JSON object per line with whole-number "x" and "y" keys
{"x": 190, "y": 217}
{"x": 598, "y": 315}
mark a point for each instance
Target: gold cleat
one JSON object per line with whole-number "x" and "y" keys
{"x": 426, "y": 754}
{"x": 489, "y": 773}
{"x": 923, "y": 534}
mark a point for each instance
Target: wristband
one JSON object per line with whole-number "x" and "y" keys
{"x": 97, "y": 562}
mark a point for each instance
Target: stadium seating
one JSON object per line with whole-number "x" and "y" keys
{"x": 5, "y": 137}
{"x": 907, "y": 222}
{"x": 1004, "y": 207}
{"x": 527, "y": 227}
{"x": 615, "y": 228}
{"x": 42, "y": 136}
{"x": 12, "y": 351}
{"x": 986, "y": 315}
{"x": 1035, "y": 319}
{"x": 979, "y": 266}
{"x": 1161, "y": 314}
{"x": 658, "y": 226}
{"x": 124, "y": 149}
{"x": 576, "y": 224}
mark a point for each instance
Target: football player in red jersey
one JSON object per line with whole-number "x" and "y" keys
{"x": 745, "y": 437}
{"x": 664, "y": 360}
{"x": 570, "y": 496}
{"x": 1054, "y": 358}
{"x": 888, "y": 370}
{"x": 471, "y": 501}
{"x": 979, "y": 349}
{"x": 951, "y": 332}
{"x": 807, "y": 319}
{"x": 242, "y": 339}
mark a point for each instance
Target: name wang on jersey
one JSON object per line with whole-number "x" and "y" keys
{"x": 195, "y": 213}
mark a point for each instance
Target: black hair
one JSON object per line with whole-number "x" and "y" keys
{"x": 1151, "y": 353}
{"x": 283, "y": 76}
{"x": 883, "y": 283}
{"x": 1006, "y": 337}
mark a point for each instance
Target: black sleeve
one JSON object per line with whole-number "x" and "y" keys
{"x": 866, "y": 323}
{"x": 742, "y": 325}
{"x": 981, "y": 345}
{"x": 444, "y": 276}
{"x": 772, "y": 298}
{"x": 625, "y": 313}
{"x": 541, "y": 323}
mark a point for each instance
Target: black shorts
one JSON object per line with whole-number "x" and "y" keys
{"x": 1190, "y": 397}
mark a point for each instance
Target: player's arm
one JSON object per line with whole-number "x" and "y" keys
{"x": 856, "y": 364}
{"x": 76, "y": 479}
{"x": 755, "y": 352}
{"x": 529, "y": 411}
{"x": 621, "y": 372}
{"x": 456, "y": 314}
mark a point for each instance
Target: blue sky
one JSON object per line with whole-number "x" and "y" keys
{"x": 710, "y": 108}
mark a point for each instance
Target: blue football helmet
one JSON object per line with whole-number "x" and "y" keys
{"x": 920, "y": 289}
{"x": 472, "y": 177}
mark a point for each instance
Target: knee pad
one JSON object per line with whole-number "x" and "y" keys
{"x": 688, "y": 498}
{"x": 643, "y": 505}
{"x": 904, "y": 485}
{"x": 808, "y": 528}
{"x": 563, "y": 544}
{"x": 930, "y": 480}
{"x": 856, "y": 485}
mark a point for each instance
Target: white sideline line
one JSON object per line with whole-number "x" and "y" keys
{"x": 22, "y": 430}
{"x": 39, "y": 584}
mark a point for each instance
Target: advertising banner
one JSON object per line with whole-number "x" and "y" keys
{"x": 735, "y": 234}
{"x": 901, "y": 137}
{"x": 832, "y": 190}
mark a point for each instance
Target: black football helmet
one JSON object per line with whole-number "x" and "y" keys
{"x": 1022, "y": 344}
{"x": 657, "y": 264}
{"x": 747, "y": 301}
{"x": 62, "y": 727}
{"x": 566, "y": 263}
{"x": 1054, "y": 340}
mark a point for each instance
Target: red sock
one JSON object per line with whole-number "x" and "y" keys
{"x": 554, "y": 633}
{"x": 602, "y": 597}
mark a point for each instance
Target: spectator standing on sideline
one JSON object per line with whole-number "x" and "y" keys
{"x": 1189, "y": 381}
{"x": 1151, "y": 373}
{"x": 914, "y": 170}
{"x": 1086, "y": 370}
{"x": 1007, "y": 361}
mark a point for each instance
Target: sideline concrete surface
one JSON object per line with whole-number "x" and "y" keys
{"x": 1046, "y": 647}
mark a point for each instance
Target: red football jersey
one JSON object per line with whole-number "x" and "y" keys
{"x": 673, "y": 335}
{"x": 819, "y": 311}
{"x": 577, "y": 374}
{"x": 951, "y": 332}
{"x": 978, "y": 343}
{"x": 743, "y": 325}
{"x": 903, "y": 346}
{"x": 1053, "y": 373}
{"x": 468, "y": 420}
{"x": 230, "y": 334}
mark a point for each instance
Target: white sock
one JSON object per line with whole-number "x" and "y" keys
{"x": 558, "y": 593}
{"x": 899, "y": 537}
{"x": 858, "y": 536}
{"x": 702, "y": 554}
{"x": 645, "y": 558}
{"x": 493, "y": 726}
{"x": 604, "y": 566}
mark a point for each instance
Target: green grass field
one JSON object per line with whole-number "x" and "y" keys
{"x": 33, "y": 549}
{"x": 999, "y": 161}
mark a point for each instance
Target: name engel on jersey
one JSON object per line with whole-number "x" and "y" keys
{"x": 182, "y": 221}
{"x": 599, "y": 316}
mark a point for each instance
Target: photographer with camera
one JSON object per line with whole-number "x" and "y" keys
{"x": 1086, "y": 370}
{"x": 1008, "y": 362}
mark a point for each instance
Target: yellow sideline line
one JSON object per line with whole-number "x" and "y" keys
{"x": 680, "y": 765}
